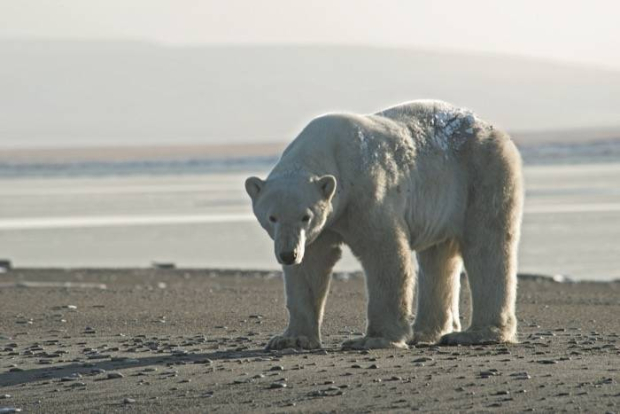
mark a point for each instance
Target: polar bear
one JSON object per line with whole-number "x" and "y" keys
{"x": 424, "y": 176}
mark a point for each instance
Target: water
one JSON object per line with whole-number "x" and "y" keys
{"x": 553, "y": 153}
{"x": 196, "y": 214}
{"x": 128, "y": 168}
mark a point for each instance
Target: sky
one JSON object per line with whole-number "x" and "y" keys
{"x": 583, "y": 32}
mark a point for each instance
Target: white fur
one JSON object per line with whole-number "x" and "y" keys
{"x": 423, "y": 176}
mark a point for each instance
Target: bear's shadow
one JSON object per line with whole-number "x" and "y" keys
{"x": 54, "y": 372}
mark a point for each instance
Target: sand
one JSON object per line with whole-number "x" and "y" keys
{"x": 192, "y": 341}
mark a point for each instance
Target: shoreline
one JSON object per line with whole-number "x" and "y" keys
{"x": 165, "y": 269}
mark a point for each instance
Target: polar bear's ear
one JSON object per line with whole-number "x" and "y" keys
{"x": 327, "y": 185}
{"x": 253, "y": 186}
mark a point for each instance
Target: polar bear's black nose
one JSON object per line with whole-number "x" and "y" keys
{"x": 288, "y": 257}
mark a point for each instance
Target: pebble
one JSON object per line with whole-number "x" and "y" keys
{"x": 521, "y": 376}
{"x": 129, "y": 401}
{"x": 115, "y": 375}
{"x": 277, "y": 368}
{"x": 98, "y": 356}
{"x": 277, "y": 385}
{"x": 68, "y": 379}
{"x": 10, "y": 410}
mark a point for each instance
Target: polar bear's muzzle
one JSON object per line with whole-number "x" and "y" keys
{"x": 290, "y": 250}
{"x": 288, "y": 258}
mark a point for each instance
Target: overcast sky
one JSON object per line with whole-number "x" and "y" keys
{"x": 585, "y": 31}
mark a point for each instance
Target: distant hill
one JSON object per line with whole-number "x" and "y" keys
{"x": 109, "y": 93}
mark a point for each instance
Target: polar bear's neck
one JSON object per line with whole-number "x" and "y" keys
{"x": 307, "y": 156}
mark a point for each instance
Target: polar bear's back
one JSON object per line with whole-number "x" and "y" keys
{"x": 438, "y": 124}
{"x": 393, "y": 140}
{"x": 424, "y": 109}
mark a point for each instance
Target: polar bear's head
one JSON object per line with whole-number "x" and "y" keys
{"x": 293, "y": 210}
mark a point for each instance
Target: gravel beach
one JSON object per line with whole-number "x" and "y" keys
{"x": 191, "y": 341}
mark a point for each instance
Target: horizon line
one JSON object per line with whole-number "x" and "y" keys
{"x": 360, "y": 45}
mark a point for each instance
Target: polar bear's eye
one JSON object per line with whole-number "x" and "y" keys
{"x": 306, "y": 218}
{"x": 272, "y": 219}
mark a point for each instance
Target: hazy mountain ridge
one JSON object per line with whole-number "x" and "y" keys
{"x": 110, "y": 93}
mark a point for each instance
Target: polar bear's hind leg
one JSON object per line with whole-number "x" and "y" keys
{"x": 438, "y": 292}
{"x": 489, "y": 245}
{"x": 491, "y": 270}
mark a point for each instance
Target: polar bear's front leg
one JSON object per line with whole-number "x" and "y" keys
{"x": 306, "y": 288}
{"x": 389, "y": 281}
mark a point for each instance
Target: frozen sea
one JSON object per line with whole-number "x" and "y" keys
{"x": 196, "y": 214}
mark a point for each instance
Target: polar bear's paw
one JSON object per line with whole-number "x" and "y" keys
{"x": 368, "y": 342}
{"x": 485, "y": 336}
{"x": 426, "y": 338}
{"x": 297, "y": 342}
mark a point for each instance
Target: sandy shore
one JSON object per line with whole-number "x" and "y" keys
{"x": 191, "y": 341}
